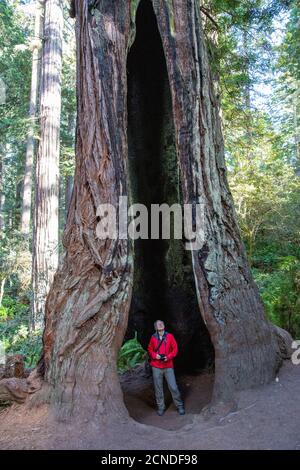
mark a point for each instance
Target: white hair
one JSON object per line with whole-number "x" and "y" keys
{"x": 156, "y": 321}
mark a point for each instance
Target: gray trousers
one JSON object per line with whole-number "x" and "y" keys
{"x": 158, "y": 377}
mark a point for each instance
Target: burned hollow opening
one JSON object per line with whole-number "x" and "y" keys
{"x": 164, "y": 285}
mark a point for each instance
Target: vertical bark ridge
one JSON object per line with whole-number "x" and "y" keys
{"x": 87, "y": 308}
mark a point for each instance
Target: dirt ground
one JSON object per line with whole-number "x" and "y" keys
{"x": 265, "y": 418}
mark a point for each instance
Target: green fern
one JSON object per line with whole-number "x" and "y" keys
{"x": 130, "y": 354}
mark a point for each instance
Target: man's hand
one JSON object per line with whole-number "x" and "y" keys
{"x": 157, "y": 356}
{"x": 166, "y": 358}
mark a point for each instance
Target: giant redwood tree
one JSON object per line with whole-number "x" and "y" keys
{"x": 45, "y": 236}
{"x": 148, "y": 128}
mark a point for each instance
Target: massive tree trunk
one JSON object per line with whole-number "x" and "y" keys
{"x": 88, "y": 305}
{"x": 69, "y": 182}
{"x": 45, "y": 239}
{"x": 35, "y": 74}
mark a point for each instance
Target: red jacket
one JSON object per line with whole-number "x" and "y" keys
{"x": 168, "y": 347}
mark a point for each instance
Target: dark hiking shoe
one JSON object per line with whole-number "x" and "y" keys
{"x": 181, "y": 411}
{"x": 161, "y": 412}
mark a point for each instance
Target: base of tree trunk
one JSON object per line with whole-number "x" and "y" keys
{"x": 110, "y": 407}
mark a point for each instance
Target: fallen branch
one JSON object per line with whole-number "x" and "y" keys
{"x": 13, "y": 390}
{"x": 16, "y": 390}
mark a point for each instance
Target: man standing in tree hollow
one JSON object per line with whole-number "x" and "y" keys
{"x": 162, "y": 349}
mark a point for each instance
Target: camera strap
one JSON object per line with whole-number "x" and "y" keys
{"x": 161, "y": 341}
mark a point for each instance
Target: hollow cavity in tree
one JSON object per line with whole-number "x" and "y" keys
{"x": 164, "y": 286}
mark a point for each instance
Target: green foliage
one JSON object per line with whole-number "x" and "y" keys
{"x": 14, "y": 71}
{"x": 264, "y": 188}
{"x": 15, "y": 259}
{"x": 3, "y": 313}
{"x": 286, "y": 99}
{"x": 130, "y": 354}
{"x": 290, "y": 47}
{"x": 278, "y": 278}
{"x": 15, "y": 334}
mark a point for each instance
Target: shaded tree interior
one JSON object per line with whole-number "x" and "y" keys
{"x": 164, "y": 285}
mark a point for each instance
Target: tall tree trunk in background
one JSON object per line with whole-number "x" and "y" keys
{"x": 69, "y": 182}
{"x": 18, "y": 205}
{"x": 35, "y": 79}
{"x": 87, "y": 307}
{"x": 45, "y": 239}
{"x": 2, "y": 195}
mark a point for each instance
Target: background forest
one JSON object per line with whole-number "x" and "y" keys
{"x": 254, "y": 50}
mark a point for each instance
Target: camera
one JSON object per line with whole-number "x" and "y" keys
{"x": 162, "y": 357}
